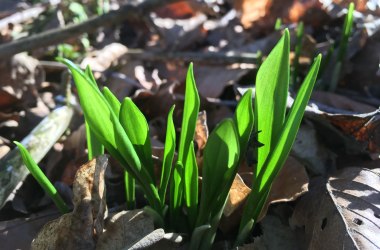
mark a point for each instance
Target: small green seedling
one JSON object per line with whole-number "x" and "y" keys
{"x": 41, "y": 178}
{"x": 123, "y": 131}
{"x": 341, "y": 57}
{"x": 297, "y": 52}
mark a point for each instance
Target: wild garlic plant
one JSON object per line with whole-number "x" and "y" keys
{"x": 175, "y": 203}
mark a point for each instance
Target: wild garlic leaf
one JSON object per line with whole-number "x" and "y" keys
{"x": 137, "y": 130}
{"x": 191, "y": 185}
{"x": 112, "y": 100}
{"x": 276, "y": 159}
{"x": 176, "y": 193}
{"x": 293, "y": 120}
{"x": 169, "y": 150}
{"x": 102, "y": 120}
{"x": 41, "y": 178}
{"x": 94, "y": 146}
{"x": 190, "y": 115}
{"x": 221, "y": 155}
{"x": 272, "y": 83}
{"x": 244, "y": 120}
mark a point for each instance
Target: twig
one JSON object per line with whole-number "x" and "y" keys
{"x": 58, "y": 35}
{"x": 205, "y": 57}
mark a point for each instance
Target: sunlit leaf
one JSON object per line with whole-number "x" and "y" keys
{"x": 42, "y": 179}
{"x": 272, "y": 83}
{"x": 190, "y": 114}
{"x": 137, "y": 129}
{"x": 191, "y": 185}
{"x": 244, "y": 120}
{"x": 220, "y": 159}
{"x": 169, "y": 151}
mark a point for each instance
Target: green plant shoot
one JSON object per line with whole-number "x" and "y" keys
{"x": 271, "y": 161}
{"x": 41, "y": 178}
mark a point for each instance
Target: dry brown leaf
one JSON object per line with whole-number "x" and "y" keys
{"x": 80, "y": 228}
{"x": 341, "y": 102}
{"x": 124, "y": 229}
{"x": 181, "y": 10}
{"x": 19, "y": 233}
{"x": 102, "y": 59}
{"x": 291, "y": 183}
{"x": 237, "y": 195}
{"x": 346, "y": 207}
{"x": 252, "y": 10}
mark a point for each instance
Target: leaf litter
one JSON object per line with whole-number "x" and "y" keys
{"x": 339, "y": 129}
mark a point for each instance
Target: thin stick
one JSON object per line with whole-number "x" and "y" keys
{"x": 55, "y": 36}
{"x": 206, "y": 57}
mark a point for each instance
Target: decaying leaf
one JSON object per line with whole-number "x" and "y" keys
{"x": 124, "y": 229}
{"x": 346, "y": 207}
{"x": 238, "y": 193}
{"x": 19, "y": 233}
{"x": 80, "y": 228}
{"x": 291, "y": 182}
{"x": 102, "y": 59}
{"x": 311, "y": 151}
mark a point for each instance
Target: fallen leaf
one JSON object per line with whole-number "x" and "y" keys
{"x": 124, "y": 229}
{"x": 252, "y": 10}
{"x": 341, "y": 102}
{"x": 291, "y": 182}
{"x": 19, "y": 233}
{"x": 181, "y": 10}
{"x": 346, "y": 207}
{"x": 237, "y": 195}
{"x": 103, "y": 59}
{"x": 80, "y": 228}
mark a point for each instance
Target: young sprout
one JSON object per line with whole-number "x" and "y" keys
{"x": 297, "y": 53}
{"x": 341, "y": 57}
{"x": 41, "y": 178}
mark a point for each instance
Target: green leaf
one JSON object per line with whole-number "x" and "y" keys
{"x": 176, "y": 192}
{"x": 196, "y": 237}
{"x": 169, "y": 151}
{"x": 221, "y": 155}
{"x": 108, "y": 130}
{"x": 272, "y": 84}
{"x": 102, "y": 119}
{"x": 191, "y": 185}
{"x": 293, "y": 120}
{"x": 190, "y": 115}
{"x": 347, "y": 28}
{"x": 130, "y": 192}
{"x": 137, "y": 129}
{"x": 42, "y": 179}
{"x": 244, "y": 120}
{"x": 94, "y": 146}
{"x": 277, "y": 157}
{"x": 112, "y": 100}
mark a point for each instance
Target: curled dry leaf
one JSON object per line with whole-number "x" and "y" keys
{"x": 19, "y": 233}
{"x": 80, "y": 228}
{"x": 134, "y": 229}
{"x": 201, "y": 136}
{"x": 346, "y": 207}
{"x": 291, "y": 183}
{"x": 102, "y": 59}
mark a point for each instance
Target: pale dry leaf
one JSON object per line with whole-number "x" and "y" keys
{"x": 252, "y": 10}
{"x": 103, "y": 59}
{"x": 291, "y": 183}
{"x": 346, "y": 206}
{"x": 237, "y": 195}
{"x": 125, "y": 229}
{"x": 80, "y": 228}
{"x": 341, "y": 102}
